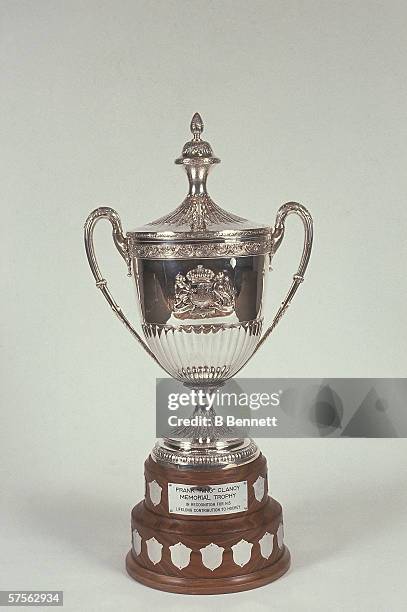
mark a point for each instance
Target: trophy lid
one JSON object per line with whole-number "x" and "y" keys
{"x": 199, "y": 227}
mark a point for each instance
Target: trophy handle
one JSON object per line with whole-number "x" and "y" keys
{"x": 120, "y": 242}
{"x": 278, "y": 234}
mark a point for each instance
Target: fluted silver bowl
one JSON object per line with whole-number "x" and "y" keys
{"x": 202, "y": 319}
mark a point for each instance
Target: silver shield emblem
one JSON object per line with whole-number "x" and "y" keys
{"x": 259, "y": 487}
{"x": 154, "y": 550}
{"x": 180, "y": 555}
{"x": 136, "y": 542}
{"x": 280, "y": 536}
{"x": 242, "y": 551}
{"x": 154, "y": 491}
{"x": 266, "y": 545}
{"x": 212, "y": 556}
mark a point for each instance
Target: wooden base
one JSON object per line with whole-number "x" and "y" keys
{"x": 211, "y": 586}
{"x": 198, "y": 554}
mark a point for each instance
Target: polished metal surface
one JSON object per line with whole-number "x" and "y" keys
{"x": 201, "y": 321}
{"x": 199, "y": 456}
{"x": 200, "y": 276}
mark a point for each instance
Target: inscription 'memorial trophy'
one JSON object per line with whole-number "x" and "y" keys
{"x": 200, "y": 275}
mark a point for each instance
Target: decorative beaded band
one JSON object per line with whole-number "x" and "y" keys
{"x": 199, "y": 250}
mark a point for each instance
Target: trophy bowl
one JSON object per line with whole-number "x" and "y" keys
{"x": 202, "y": 319}
{"x": 200, "y": 274}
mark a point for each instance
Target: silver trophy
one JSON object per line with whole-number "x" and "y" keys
{"x": 200, "y": 274}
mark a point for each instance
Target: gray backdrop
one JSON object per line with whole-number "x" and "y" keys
{"x": 302, "y": 100}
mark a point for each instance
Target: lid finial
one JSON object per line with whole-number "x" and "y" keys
{"x": 197, "y": 126}
{"x": 197, "y": 150}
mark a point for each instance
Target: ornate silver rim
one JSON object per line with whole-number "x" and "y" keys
{"x": 199, "y": 250}
{"x": 206, "y": 458}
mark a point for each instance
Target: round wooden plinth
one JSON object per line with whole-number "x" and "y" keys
{"x": 178, "y": 549}
{"x": 208, "y": 586}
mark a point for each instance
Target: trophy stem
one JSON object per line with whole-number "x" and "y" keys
{"x": 204, "y": 443}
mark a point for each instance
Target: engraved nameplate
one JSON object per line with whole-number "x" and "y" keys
{"x": 205, "y": 500}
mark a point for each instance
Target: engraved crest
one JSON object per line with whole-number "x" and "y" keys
{"x": 202, "y": 293}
